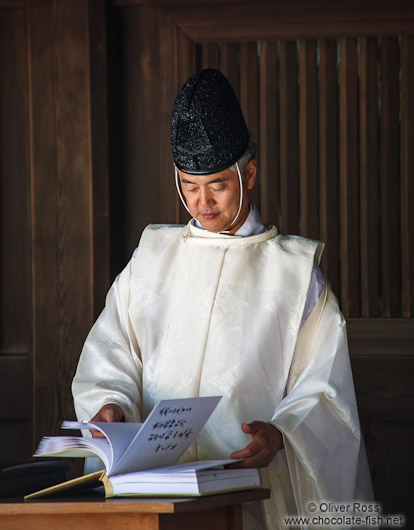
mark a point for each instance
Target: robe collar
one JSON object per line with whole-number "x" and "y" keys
{"x": 252, "y": 226}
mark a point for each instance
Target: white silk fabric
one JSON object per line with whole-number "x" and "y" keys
{"x": 205, "y": 314}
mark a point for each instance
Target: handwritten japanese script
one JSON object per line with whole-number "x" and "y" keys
{"x": 171, "y": 426}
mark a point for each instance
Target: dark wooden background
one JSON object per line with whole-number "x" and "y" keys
{"x": 86, "y": 90}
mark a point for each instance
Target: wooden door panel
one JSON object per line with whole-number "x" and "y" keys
{"x": 15, "y": 283}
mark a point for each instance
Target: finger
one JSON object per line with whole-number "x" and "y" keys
{"x": 97, "y": 434}
{"x": 251, "y": 428}
{"x": 260, "y": 459}
{"x": 105, "y": 416}
{"x": 109, "y": 413}
{"x": 260, "y": 440}
{"x": 255, "y": 446}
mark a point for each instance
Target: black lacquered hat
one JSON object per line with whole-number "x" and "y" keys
{"x": 208, "y": 131}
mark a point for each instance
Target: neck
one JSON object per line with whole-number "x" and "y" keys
{"x": 240, "y": 222}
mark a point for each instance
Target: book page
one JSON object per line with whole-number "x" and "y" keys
{"x": 167, "y": 433}
{"x": 75, "y": 446}
{"x": 193, "y": 466}
{"x": 173, "y": 473}
{"x": 118, "y": 434}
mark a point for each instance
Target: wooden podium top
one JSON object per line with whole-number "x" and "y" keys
{"x": 95, "y": 503}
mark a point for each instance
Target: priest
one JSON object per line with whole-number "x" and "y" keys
{"x": 227, "y": 306}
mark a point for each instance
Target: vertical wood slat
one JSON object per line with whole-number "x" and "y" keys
{"x": 186, "y": 65}
{"x": 407, "y": 173}
{"x": 44, "y": 217}
{"x": 99, "y": 151}
{"x": 328, "y": 160}
{"x": 166, "y": 93}
{"x": 349, "y": 200}
{"x": 268, "y": 148}
{"x": 117, "y": 141}
{"x": 369, "y": 184}
{"x": 15, "y": 314}
{"x": 141, "y": 113}
{"x": 308, "y": 134}
{"x": 289, "y": 170}
{"x": 249, "y": 97}
{"x": 210, "y": 56}
{"x": 390, "y": 182}
{"x": 249, "y": 73}
{"x": 229, "y": 65}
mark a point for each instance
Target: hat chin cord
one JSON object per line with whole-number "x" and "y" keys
{"x": 240, "y": 201}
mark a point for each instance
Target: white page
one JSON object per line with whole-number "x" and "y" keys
{"x": 118, "y": 434}
{"x": 168, "y": 431}
{"x": 75, "y": 446}
{"x": 188, "y": 481}
{"x": 174, "y": 473}
{"x": 192, "y": 466}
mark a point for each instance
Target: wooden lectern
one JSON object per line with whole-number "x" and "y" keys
{"x": 92, "y": 512}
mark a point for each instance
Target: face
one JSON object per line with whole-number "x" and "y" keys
{"x": 214, "y": 199}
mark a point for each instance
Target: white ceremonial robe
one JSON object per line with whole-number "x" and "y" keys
{"x": 206, "y": 314}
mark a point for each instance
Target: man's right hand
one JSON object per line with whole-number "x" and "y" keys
{"x": 108, "y": 413}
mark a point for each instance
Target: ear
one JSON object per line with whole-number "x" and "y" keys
{"x": 250, "y": 174}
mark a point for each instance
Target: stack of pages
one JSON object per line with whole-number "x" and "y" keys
{"x": 140, "y": 458}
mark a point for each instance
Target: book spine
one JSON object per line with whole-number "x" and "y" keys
{"x": 109, "y": 490}
{"x": 68, "y": 485}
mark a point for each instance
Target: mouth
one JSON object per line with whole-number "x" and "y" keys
{"x": 209, "y": 216}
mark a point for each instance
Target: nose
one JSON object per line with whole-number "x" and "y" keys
{"x": 205, "y": 197}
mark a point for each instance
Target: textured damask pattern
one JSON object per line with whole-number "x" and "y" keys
{"x": 141, "y": 295}
{"x": 294, "y": 243}
{"x": 227, "y": 303}
{"x": 288, "y": 306}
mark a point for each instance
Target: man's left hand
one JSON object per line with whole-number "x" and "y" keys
{"x": 266, "y": 442}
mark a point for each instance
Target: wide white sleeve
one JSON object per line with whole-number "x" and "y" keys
{"x": 324, "y": 449}
{"x": 110, "y": 368}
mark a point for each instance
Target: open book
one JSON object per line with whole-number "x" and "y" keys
{"x": 140, "y": 459}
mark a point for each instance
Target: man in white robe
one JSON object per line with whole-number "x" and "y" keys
{"x": 226, "y": 306}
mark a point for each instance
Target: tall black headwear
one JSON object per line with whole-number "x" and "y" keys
{"x": 208, "y": 131}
